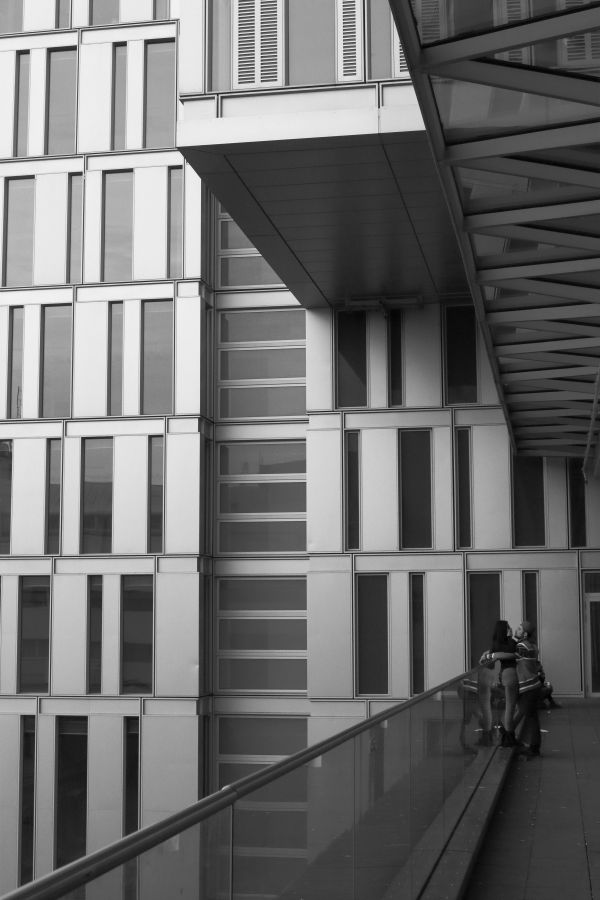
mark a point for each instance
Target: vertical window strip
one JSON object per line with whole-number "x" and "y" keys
{"x": 96, "y": 495}
{"x": 115, "y": 355}
{"x": 22, "y": 104}
{"x": 351, "y": 359}
{"x": 117, "y": 232}
{"x": 530, "y": 601}
{"x": 34, "y": 634}
{"x": 6, "y": 465}
{"x": 75, "y": 228}
{"x": 417, "y": 633}
{"x": 394, "y": 320}
{"x": 27, "y": 800}
{"x": 119, "y": 97}
{"x": 155, "y": 493}
{"x": 132, "y": 776}
{"x": 159, "y": 97}
{"x": 71, "y": 789}
{"x": 15, "y": 387}
{"x": 55, "y": 364}
{"x": 352, "y": 466}
{"x": 372, "y": 634}
{"x": 175, "y": 225}
{"x": 61, "y": 104}
{"x": 157, "y": 357}
{"x": 18, "y": 232}
{"x": 63, "y": 13}
{"x": 53, "y": 487}
{"x": 415, "y": 489}
{"x": 529, "y": 517}
{"x": 94, "y": 635}
{"x": 577, "y": 505}
{"x": 137, "y": 629}
{"x": 463, "y": 487}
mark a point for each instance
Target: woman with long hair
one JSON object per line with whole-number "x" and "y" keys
{"x": 502, "y": 649}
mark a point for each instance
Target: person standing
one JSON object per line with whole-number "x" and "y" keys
{"x": 531, "y": 679}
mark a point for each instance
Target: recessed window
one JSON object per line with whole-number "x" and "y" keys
{"x": 53, "y": 483}
{"x": 56, "y": 361}
{"x": 461, "y": 355}
{"x": 372, "y": 634}
{"x": 34, "y": 634}
{"x": 22, "y": 104}
{"x": 352, "y": 484}
{"x": 577, "y": 509}
{"x": 11, "y": 16}
{"x": 63, "y": 13}
{"x": 528, "y": 501}
{"x": 417, "y": 633}
{"x": 6, "y": 452}
{"x": 27, "y": 799}
{"x": 131, "y": 788}
{"x": 175, "y": 228}
{"x": 157, "y": 357}
{"x": 94, "y": 635}
{"x": 484, "y": 611}
{"x": 351, "y": 359}
{"x": 71, "y": 789}
{"x": 62, "y": 89}
{"x": 462, "y": 437}
{"x": 396, "y": 375}
{"x": 530, "y": 600}
{"x": 115, "y": 355}
{"x": 96, "y": 495}
{"x": 159, "y": 101}
{"x": 155, "y": 494}
{"x": 18, "y": 232}
{"x": 161, "y": 9}
{"x": 117, "y": 245}
{"x": 104, "y": 12}
{"x": 415, "y": 489}
{"x": 75, "y": 228}
{"x": 239, "y": 264}
{"x": 119, "y": 97}
{"x": 137, "y": 631}
{"x": 15, "y": 365}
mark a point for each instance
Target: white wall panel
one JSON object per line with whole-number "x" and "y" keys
{"x": 28, "y": 497}
{"x": 191, "y": 36}
{"x": 399, "y": 634}
{"x": 377, "y": 355}
{"x": 188, "y": 362}
{"x": 319, "y": 359}
{"x": 4, "y": 335}
{"x": 71, "y": 495}
{"x": 69, "y": 634}
{"x": 37, "y": 102}
{"x": 9, "y": 626}
{"x": 150, "y": 222}
{"x": 169, "y": 765}
{"x": 557, "y": 524}
{"x": 182, "y": 493}
{"x": 559, "y": 628}
{"x": 95, "y": 97}
{"x": 444, "y": 626}
{"x": 2, "y": 207}
{"x": 111, "y": 633}
{"x": 135, "y": 10}
{"x": 92, "y": 244}
{"x": 132, "y": 338}
{"x": 423, "y": 360}
{"x": 192, "y": 232}
{"x": 379, "y": 489}
{"x": 330, "y": 645}
{"x": 50, "y": 233}
{"x": 80, "y": 10}
{"x": 324, "y": 490}
{"x": 45, "y": 780}
{"x": 7, "y": 102}
{"x": 105, "y": 781}
{"x": 38, "y": 16}
{"x": 130, "y": 494}
{"x": 177, "y": 646}
{"x": 32, "y": 316}
{"x": 135, "y": 95}
{"x": 491, "y": 487}
{"x": 10, "y": 754}
{"x": 443, "y": 538}
{"x": 90, "y": 359}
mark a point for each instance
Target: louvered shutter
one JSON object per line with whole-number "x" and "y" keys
{"x": 430, "y": 15}
{"x": 257, "y": 43}
{"x": 399, "y": 67}
{"x": 511, "y": 12}
{"x": 349, "y": 40}
{"x": 580, "y": 51}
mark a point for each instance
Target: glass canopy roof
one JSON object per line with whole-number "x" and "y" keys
{"x": 510, "y": 96}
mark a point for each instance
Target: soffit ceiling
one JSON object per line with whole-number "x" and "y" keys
{"x": 512, "y": 110}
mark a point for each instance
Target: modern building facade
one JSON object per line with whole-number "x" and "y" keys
{"x": 246, "y": 500}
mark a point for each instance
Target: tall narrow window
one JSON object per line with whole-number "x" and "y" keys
{"x": 71, "y": 789}
{"x": 463, "y": 486}
{"x": 63, "y": 13}
{"x": 155, "y": 499}
{"x": 530, "y": 599}
{"x": 62, "y": 82}
{"x": 56, "y": 362}
{"x": 22, "y": 107}
{"x": 96, "y": 495}
{"x": 11, "y": 16}
{"x": 5, "y": 494}
{"x": 372, "y": 634}
{"x": 351, "y": 362}
{"x": 136, "y": 634}
{"x": 157, "y": 357}
{"x": 115, "y": 384}
{"x": 176, "y": 222}
{"x": 94, "y": 635}
{"x": 53, "y": 481}
{"x": 159, "y": 106}
{"x": 161, "y": 9}
{"x": 528, "y": 501}
{"x": 18, "y": 232}
{"x": 311, "y": 41}
{"x": 484, "y": 610}
{"x": 257, "y": 43}
{"x": 15, "y": 391}
{"x": 104, "y": 12}
{"x": 415, "y": 488}
{"x": 119, "y": 96}
{"x": 132, "y": 775}
{"x": 27, "y": 811}
{"x": 118, "y": 226}
{"x": 461, "y": 355}
{"x": 417, "y": 634}
{"x": 395, "y": 357}
{"x": 75, "y": 227}
{"x": 577, "y": 517}
{"x": 352, "y": 490}
{"x": 34, "y": 634}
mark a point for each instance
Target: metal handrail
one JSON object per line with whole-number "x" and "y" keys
{"x": 60, "y": 882}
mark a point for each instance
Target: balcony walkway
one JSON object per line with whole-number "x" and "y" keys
{"x": 544, "y": 839}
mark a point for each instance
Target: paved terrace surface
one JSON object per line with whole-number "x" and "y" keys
{"x": 544, "y": 839}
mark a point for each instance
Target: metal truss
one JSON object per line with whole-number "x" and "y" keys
{"x": 512, "y": 110}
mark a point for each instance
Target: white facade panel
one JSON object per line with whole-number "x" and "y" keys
{"x": 32, "y": 320}
{"x": 28, "y": 497}
{"x": 188, "y": 362}
{"x": 69, "y": 634}
{"x": 150, "y": 223}
{"x": 399, "y": 618}
{"x": 95, "y": 97}
{"x": 132, "y": 323}
{"x": 191, "y": 36}
{"x": 50, "y": 234}
{"x": 377, "y": 354}
{"x": 90, "y": 359}
{"x": 45, "y": 807}
{"x": 105, "y": 781}
{"x": 177, "y": 648}
{"x": 491, "y": 526}
{"x": 71, "y": 495}
{"x": 560, "y": 629}
{"x": 9, "y": 627}
{"x": 92, "y": 242}
{"x": 182, "y": 493}
{"x": 134, "y": 137}
{"x": 192, "y": 219}
{"x": 111, "y": 634}
{"x": 329, "y": 605}
{"x": 10, "y": 754}
{"x": 80, "y": 13}
{"x": 557, "y": 517}
{"x": 378, "y": 456}
{"x": 135, "y": 10}
{"x": 319, "y": 359}
{"x": 37, "y": 102}
{"x": 444, "y": 626}
{"x": 130, "y": 494}
{"x": 324, "y": 491}
{"x": 443, "y": 538}
{"x": 7, "y": 102}
{"x": 38, "y": 16}
{"x": 4, "y": 337}
{"x": 169, "y": 765}
{"x": 423, "y": 361}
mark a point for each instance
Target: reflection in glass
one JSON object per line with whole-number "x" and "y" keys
{"x": 351, "y": 359}
{"x": 530, "y": 601}
{"x": 96, "y": 495}
{"x": 577, "y": 511}
{"x": 395, "y": 357}
{"x": 479, "y": 187}
{"x": 117, "y": 235}
{"x": 417, "y": 633}
{"x": 62, "y": 87}
{"x": 11, "y": 16}
{"x": 176, "y": 222}
{"x": 273, "y": 362}
{"x": 262, "y": 634}
{"x": 159, "y": 100}
{"x": 136, "y": 634}
{"x": 132, "y": 774}
{"x": 262, "y": 537}
{"x": 34, "y": 633}
{"x": 53, "y": 483}
{"x": 56, "y": 361}
{"x": 246, "y": 271}
{"x": 261, "y": 736}
{"x": 115, "y": 382}
{"x": 94, "y": 635}
{"x": 71, "y": 789}
{"x": 156, "y": 492}
{"x": 16, "y": 363}
{"x": 27, "y": 800}
{"x": 18, "y": 235}
{"x": 119, "y": 96}
{"x": 263, "y": 497}
{"x": 5, "y": 494}
{"x": 463, "y": 486}
{"x": 75, "y": 227}
{"x": 262, "y": 593}
{"x": 263, "y": 325}
{"x": 232, "y": 237}
{"x": 157, "y": 356}
{"x": 461, "y": 355}
{"x": 22, "y": 94}
{"x": 279, "y": 401}
{"x": 576, "y": 53}
{"x": 262, "y": 459}
{"x": 104, "y": 12}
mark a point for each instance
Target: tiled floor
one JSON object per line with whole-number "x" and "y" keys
{"x": 544, "y": 840}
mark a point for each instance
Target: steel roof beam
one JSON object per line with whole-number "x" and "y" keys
{"x": 567, "y": 239}
{"x": 567, "y": 135}
{"x": 520, "y": 214}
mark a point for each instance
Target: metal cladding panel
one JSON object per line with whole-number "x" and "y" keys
{"x": 90, "y": 358}
{"x": 130, "y": 494}
{"x": 330, "y": 644}
{"x": 50, "y": 232}
{"x": 182, "y": 493}
{"x": 491, "y": 488}
{"x": 379, "y": 489}
{"x": 28, "y": 496}
{"x": 560, "y": 629}
{"x": 7, "y": 102}
{"x": 94, "y": 116}
{"x": 324, "y": 491}
{"x": 444, "y": 626}
{"x": 319, "y": 360}
{"x": 177, "y": 648}
{"x": 106, "y": 782}
{"x": 188, "y": 364}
